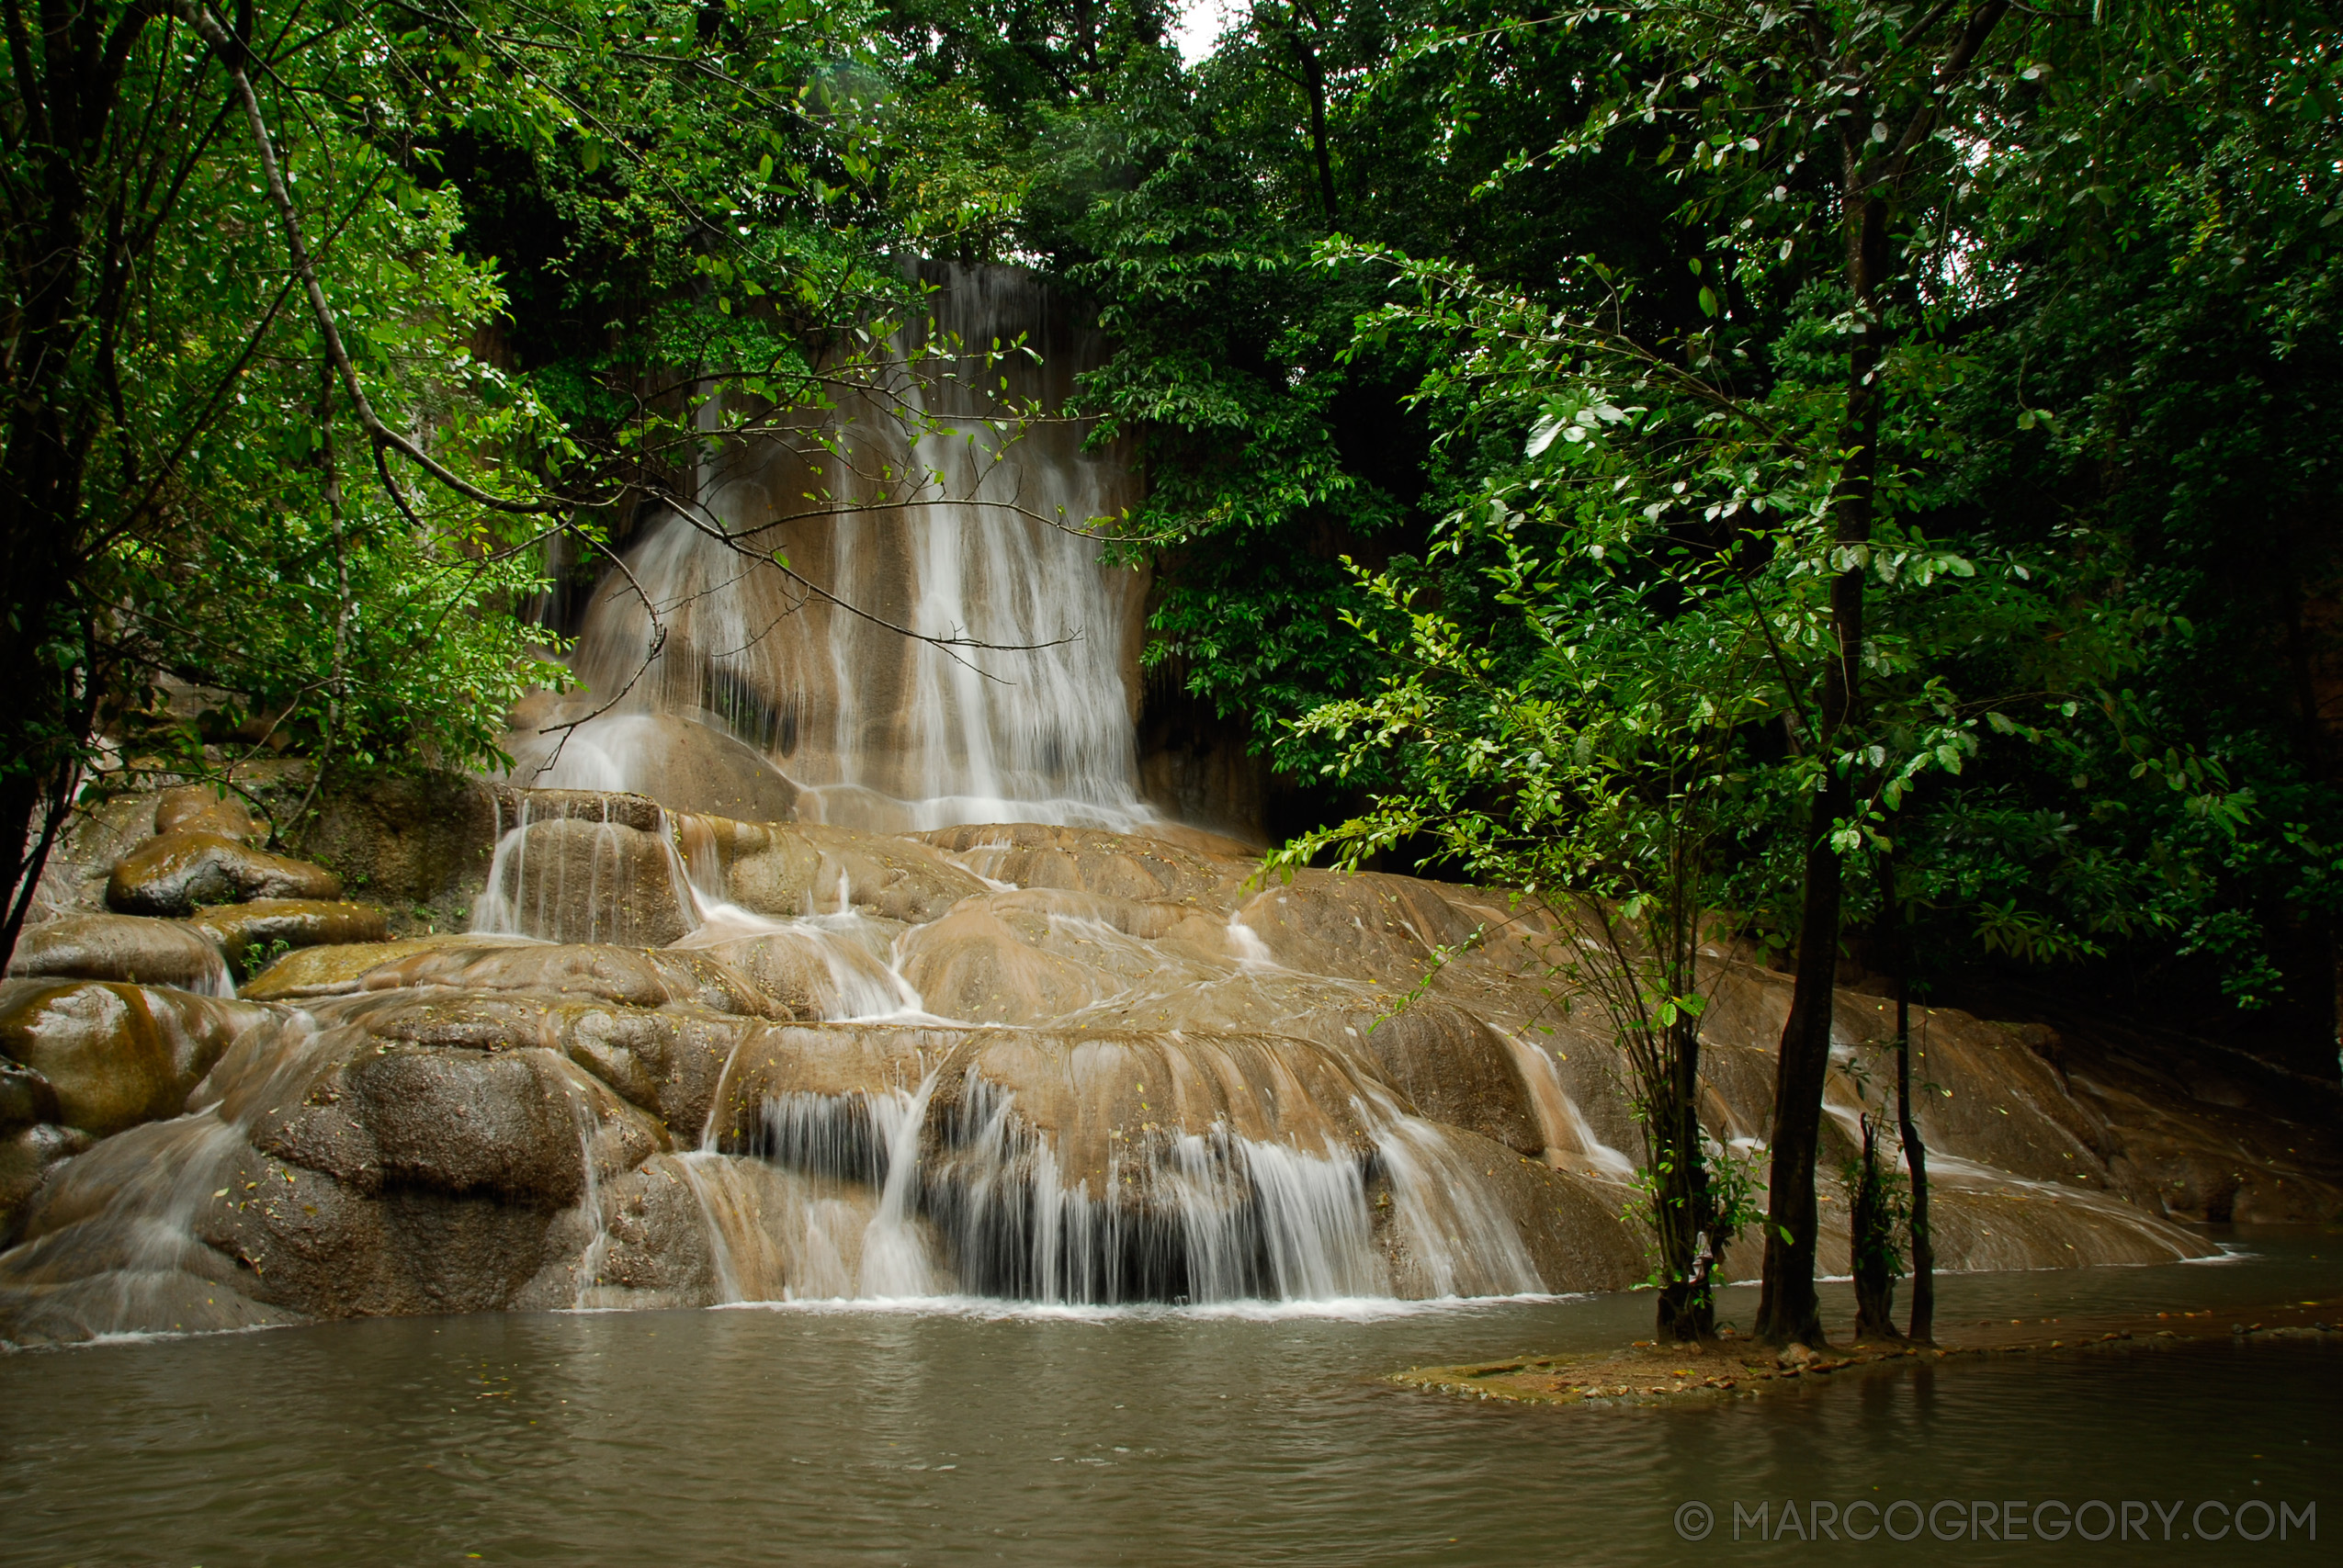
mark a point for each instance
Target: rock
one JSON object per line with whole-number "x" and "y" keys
{"x": 989, "y": 965}
{"x": 1363, "y": 924}
{"x": 115, "y": 1056}
{"x": 679, "y": 762}
{"x": 1085, "y": 860}
{"x": 337, "y": 969}
{"x": 199, "y": 808}
{"x": 576, "y": 880}
{"x": 418, "y": 844}
{"x": 136, "y": 948}
{"x": 1099, "y": 1095}
{"x": 175, "y": 873}
{"x": 28, "y": 1154}
{"x": 244, "y": 931}
{"x": 634, "y": 976}
{"x": 1450, "y": 1066}
{"x": 811, "y": 869}
{"x": 25, "y": 1096}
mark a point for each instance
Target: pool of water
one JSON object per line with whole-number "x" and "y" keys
{"x": 813, "y": 1436}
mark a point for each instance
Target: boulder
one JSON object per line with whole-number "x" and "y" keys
{"x": 418, "y": 844}
{"x": 811, "y": 869}
{"x": 176, "y": 873}
{"x": 115, "y": 1056}
{"x": 29, "y": 1150}
{"x": 199, "y": 809}
{"x": 633, "y": 976}
{"x": 246, "y": 932}
{"x": 575, "y": 879}
{"x": 136, "y": 948}
{"x": 1085, "y": 860}
{"x": 338, "y": 969}
{"x": 684, "y": 764}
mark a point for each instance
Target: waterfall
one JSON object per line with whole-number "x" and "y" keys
{"x": 918, "y": 503}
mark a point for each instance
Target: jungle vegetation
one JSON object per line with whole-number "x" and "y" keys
{"x": 1856, "y": 481}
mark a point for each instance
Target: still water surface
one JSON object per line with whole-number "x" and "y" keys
{"x": 756, "y": 1436}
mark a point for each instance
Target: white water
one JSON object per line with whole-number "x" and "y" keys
{"x": 935, "y": 515}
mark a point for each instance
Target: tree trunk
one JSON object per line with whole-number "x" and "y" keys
{"x": 1916, "y": 1161}
{"x": 1687, "y": 1308}
{"x": 1788, "y": 1312}
{"x": 1872, "y": 1243}
{"x": 1314, "y": 85}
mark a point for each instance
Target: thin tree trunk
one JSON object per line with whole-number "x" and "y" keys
{"x": 1314, "y": 85}
{"x": 1916, "y": 1160}
{"x": 1788, "y": 1310}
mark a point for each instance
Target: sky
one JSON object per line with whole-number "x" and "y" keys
{"x": 1200, "y": 23}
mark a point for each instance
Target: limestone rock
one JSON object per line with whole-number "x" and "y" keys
{"x": 175, "y": 873}
{"x": 573, "y": 879}
{"x": 1083, "y": 860}
{"x": 419, "y": 845}
{"x": 136, "y": 948}
{"x": 634, "y": 976}
{"x": 114, "y": 1055}
{"x": 338, "y": 968}
{"x": 29, "y": 1150}
{"x": 684, "y": 764}
{"x": 199, "y": 809}
{"x": 236, "y": 930}
{"x": 808, "y": 869}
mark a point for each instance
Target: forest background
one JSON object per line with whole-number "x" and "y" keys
{"x": 1690, "y": 453}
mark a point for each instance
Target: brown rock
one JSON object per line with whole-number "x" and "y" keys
{"x": 114, "y": 1054}
{"x": 809, "y": 868}
{"x": 573, "y": 879}
{"x": 199, "y": 808}
{"x": 337, "y": 969}
{"x": 238, "y": 929}
{"x": 136, "y": 948}
{"x": 175, "y": 874}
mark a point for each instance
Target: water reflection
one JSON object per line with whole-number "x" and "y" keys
{"x": 754, "y": 1435}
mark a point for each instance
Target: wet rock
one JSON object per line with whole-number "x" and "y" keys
{"x": 641, "y": 977}
{"x": 479, "y": 1108}
{"x": 656, "y": 1250}
{"x": 140, "y": 1301}
{"x": 115, "y": 1056}
{"x": 1083, "y": 860}
{"x": 29, "y": 1150}
{"x": 175, "y": 874}
{"x": 841, "y": 972}
{"x": 822, "y": 1059}
{"x": 1568, "y": 1223}
{"x": 1098, "y": 1096}
{"x": 1370, "y": 925}
{"x": 135, "y": 949}
{"x": 1450, "y": 1066}
{"x": 246, "y": 932}
{"x": 419, "y": 845}
{"x": 808, "y": 869}
{"x": 668, "y": 1064}
{"x": 303, "y": 1240}
{"x": 577, "y": 880}
{"x": 989, "y": 965}
{"x": 199, "y": 808}
{"x": 682, "y": 763}
{"x": 337, "y": 969}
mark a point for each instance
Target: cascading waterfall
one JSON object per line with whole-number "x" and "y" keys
{"x": 983, "y": 1201}
{"x": 938, "y": 515}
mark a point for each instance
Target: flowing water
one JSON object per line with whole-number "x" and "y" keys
{"x": 934, "y": 503}
{"x": 1163, "y": 1437}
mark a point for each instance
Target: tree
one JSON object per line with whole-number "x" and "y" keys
{"x": 252, "y": 444}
